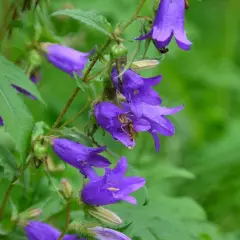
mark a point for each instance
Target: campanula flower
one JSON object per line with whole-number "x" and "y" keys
{"x": 119, "y": 123}
{"x": 137, "y": 89}
{"x": 1, "y": 121}
{"x": 112, "y": 187}
{"x": 101, "y": 233}
{"x": 155, "y": 115}
{"x": 80, "y": 156}
{"x": 41, "y": 231}
{"x": 169, "y": 22}
{"x": 67, "y": 59}
{"x": 35, "y": 78}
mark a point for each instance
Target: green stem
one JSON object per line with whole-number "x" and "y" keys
{"x": 68, "y": 210}
{"x": 75, "y": 117}
{"x": 135, "y": 15}
{"x": 84, "y": 79}
{"x": 10, "y": 188}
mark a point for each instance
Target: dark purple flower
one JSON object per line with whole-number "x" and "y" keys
{"x": 169, "y": 22}
{"x": 112, "y": 187}
{"x": 35, "y": 78}
{"x": 80, "y": 156}
{"x": 137, "y": 89}
{"x": 155, "y": 115}
{"x": 1, "y": 121}
{"x": 107, "y": 234}
{"x": 42, "y": 231}
{"x": 121, "y": 124}
{"x": 67, "y": 59}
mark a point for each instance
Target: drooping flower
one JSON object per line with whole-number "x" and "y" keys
{"x": 35, "y": 78}
{"x": 155, "y": 115}
{"x": 80, "y": 156}
{"x": 119, "y": 123}
{"x": 41, "y": 231}
{"x": 112, "y": 187}
{"x": 169, "y": 22}
{"x": 107, "y": 234}
{"x": 67, "y": 59}
{"x": 137, "y": 89}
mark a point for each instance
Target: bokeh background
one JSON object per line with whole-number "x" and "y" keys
{"x": 193, "y": 182}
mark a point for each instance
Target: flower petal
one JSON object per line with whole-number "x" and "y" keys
{"x": 156, "y": 140}
{"x": 130, "y": 199}
{"x": 141, "y": 125}
{"x": 98, "y": 161}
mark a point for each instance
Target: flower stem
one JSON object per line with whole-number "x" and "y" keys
{"x": 84, "y": 79}
{"x": 135, "y": 15}
{"x": 68, "y": 210}
{"x": 75, "y": 117}
{"x": 10, "y": 188}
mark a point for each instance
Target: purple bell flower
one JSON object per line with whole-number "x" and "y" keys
{"x": 119, "y": 123}
{"x": 67, "y": 59}
{"x": 155, "y": 115}
{"x": 169, "y": 22}
{"x": 137, "y": 89}
{"x": 1, "y": 121}
{"x": 80, "y": 156}
{"x": 41, "y": 231}
{"x": 35, "y": 78}
{"x": 112, "y": 187}
{"x": 107, "y": 234}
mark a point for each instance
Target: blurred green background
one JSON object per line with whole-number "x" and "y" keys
{"x": 194, "y": 181}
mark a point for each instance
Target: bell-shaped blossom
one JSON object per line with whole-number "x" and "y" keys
{"x": 119, "y": 123}
{"x": 112, "y": 187}
{"x": 41, "y": 231}
{"x": 101, "y": 233}
{"x": 137, "y": 89}
{"x": 67, "y": 59}
{"x": 80, "y": 156}
{"x": 155, "y": 115}
{"x": 35, "y": 78}
{"x": 169, "y": 22}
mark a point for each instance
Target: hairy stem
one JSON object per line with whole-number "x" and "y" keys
{"x": 135, "y": 15}
{"x": 10, "y": 188}
{"x": 68, "y": 210}
{"x": 84, "y": 79}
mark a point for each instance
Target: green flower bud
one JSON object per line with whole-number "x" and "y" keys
{"x": 104, "y": 215}
{"x": 118, "y": 50}
{"x": 144, "y": 64}
{"x": 23, "y": 218}
{"x": 35, "y": 59}
{"x": 66, "y": 189}
{"x": 40, "y": 150}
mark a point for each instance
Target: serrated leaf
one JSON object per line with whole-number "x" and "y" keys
{"x": 17, "y": 120}
{"x": 91, "y": 19}
{"x": 8, "y": 163}
{"x": 12, "y": 74}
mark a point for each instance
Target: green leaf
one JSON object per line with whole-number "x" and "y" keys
{"x": 11, "y": 74}
{"x": 167, "y": 218}
{"x": 17, "y": 120}
{"x": 91, "y": 19}
{"x": 8, "y": 163}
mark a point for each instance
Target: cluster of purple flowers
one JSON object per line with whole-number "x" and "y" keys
{"x": 140, "y": 111}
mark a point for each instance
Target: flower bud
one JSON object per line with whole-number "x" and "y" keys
{"x": 29, "y": 214}
{"x": 104, "y": 215}
{"x": 35, "y": 59}
{"x": 119, "y": 50}
{"x": 66, "y": 189}
{"x": 144, "y": 64}
{"x": 40, "y": 150}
